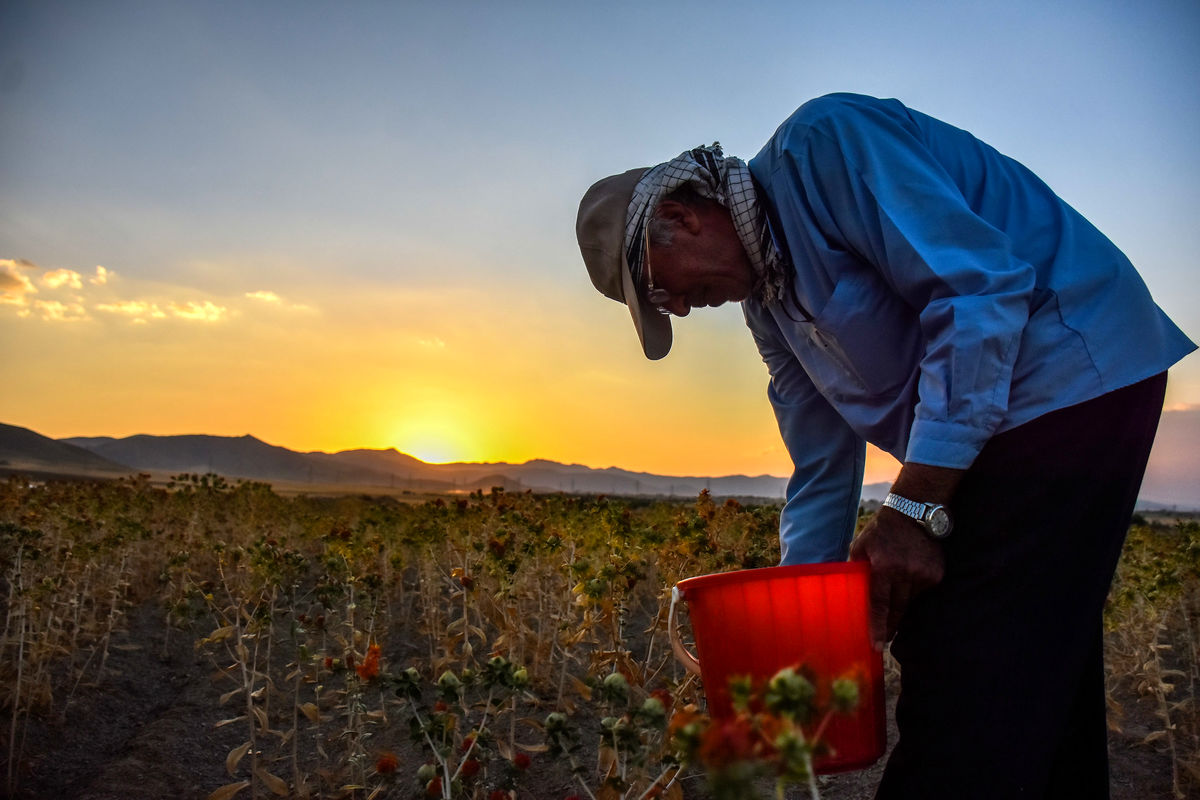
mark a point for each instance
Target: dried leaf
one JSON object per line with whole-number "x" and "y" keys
{"x": 225, "y": 698}
{"x": 235, "y": 755}
{"x": 229, "y": 721}
{"x": 532, "y": 748}
{"x": 276, "y": 785}
{"x": 606, "y": 762}
{"x": 311, "y": 711}
{"x": 1154, "y": 737}
{"x": 220, "y": 634}
{"x": 261, "y": 716}
{"x": 228, "y": 790}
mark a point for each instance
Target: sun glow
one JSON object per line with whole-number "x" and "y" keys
{"x": 435, "y": 440}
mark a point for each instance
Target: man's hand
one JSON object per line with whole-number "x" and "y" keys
{"x": 905, "y": 561}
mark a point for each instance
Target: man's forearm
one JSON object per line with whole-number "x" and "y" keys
{"x": 927, "y": 484}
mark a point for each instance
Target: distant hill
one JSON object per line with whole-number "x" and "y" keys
{"x": 1171, "y": 479}
{"x": 250, "y": 458}
{"x": 22, "y": 449}
{"x": 235, "y": 457}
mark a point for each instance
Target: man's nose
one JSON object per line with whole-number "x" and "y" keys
{"x": 678, "y": 305}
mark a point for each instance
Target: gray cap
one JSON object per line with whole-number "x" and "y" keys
{"x": 600, "y": 229}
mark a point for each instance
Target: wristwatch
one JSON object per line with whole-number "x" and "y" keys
{"x": 933, "y": 517}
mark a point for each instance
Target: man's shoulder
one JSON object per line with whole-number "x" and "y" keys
{"x": 843, "y": 106}
{"x": 838, "y": 117}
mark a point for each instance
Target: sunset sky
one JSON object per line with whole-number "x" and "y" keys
{"x": 336, "y": 225}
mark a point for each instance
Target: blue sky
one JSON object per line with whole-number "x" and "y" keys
{"x": 351, "y": 224}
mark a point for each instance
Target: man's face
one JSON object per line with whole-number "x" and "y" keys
{"x": 705, "y": 265}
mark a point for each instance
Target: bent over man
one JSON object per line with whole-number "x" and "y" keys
{"x": 909, "y": 286}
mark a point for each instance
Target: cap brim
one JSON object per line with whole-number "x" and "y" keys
{"x": 653, "y": 329}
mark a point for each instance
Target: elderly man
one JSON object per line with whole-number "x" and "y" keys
{"x": 909, "y": 286}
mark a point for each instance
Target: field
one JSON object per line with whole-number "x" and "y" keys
{"x": 219, "y": 640}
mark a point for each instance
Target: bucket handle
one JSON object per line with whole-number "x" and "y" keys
{"x": 685, "y": 657}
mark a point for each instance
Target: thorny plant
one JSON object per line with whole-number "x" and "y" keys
{"x": 69, "y": 565}
{"x": 1153, "y": 617}
{"x": 776, "y": 731}
{"x": 463, "y": 730}
{"x": 634, "y": 759}
{"x": 314, "y": 610}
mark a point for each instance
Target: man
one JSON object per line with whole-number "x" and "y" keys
{"x": 909, "y": 286}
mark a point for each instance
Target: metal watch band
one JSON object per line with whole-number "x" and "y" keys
{"x": 934, "y": 518}
{"x": 909, "y": 508}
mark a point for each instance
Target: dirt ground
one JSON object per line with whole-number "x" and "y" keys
{"x": 147, "y": 731}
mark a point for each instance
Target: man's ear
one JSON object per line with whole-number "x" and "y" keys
{"x": 679, "y": 214}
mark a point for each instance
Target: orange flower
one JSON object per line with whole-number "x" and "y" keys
{"x": 682, "y": 718}
{"x": 729, "y": 741}
{"x": 370, "y": 666}
{"x": 664, "y": 697}
{"x": 386, "y": 764}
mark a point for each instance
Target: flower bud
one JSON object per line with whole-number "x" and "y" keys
{"x": 616, "y": 687}
{"x": 845, "y": 695}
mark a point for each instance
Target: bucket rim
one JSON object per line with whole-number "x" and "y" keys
{"x": 715, "y": 579}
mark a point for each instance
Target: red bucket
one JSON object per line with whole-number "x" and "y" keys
{"x": 756, "y": 622}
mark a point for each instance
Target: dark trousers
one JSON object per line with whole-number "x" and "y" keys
{"x": 1002, "y": 683}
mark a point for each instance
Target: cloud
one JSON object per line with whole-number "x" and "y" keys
{"x": 205, "y": 311}
{"x": 63, "y": 277}
{"x": 55, "y": 311}
{"x": 432, "y": 341}
{"x": 139, "y": 310}
{"x": 93, "y": 293}
{"x": 271, "y": 298}
{"x": 14, "y": 283}
{"x": 142, "y": 311}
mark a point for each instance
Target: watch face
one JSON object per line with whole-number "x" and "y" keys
{"x": 939, "y": 523}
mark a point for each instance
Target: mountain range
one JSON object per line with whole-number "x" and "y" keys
{"x": 247, "y": 457}
{"x": 1172, "y": 478}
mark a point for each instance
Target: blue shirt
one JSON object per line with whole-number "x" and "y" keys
{"x": 943, "y": 294}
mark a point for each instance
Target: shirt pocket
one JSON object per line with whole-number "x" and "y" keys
{"x": 870, "y": 333}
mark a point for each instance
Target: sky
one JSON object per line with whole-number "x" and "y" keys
{"x": 339, "y": 225}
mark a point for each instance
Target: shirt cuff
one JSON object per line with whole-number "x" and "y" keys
{"x": 945, "y": 444}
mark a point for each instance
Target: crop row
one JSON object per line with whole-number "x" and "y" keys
{"x": 368, "y": 647}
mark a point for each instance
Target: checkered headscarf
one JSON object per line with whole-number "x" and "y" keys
{"x": 709, "y": 173}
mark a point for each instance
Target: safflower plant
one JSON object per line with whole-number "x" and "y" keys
{"x": 455, "y": 726}
{"x": 776, "y": 730}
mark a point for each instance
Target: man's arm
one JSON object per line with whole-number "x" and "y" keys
{"x": 821, "y": 509}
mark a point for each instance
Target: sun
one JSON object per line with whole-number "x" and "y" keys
{"x": 435, "y": 440}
